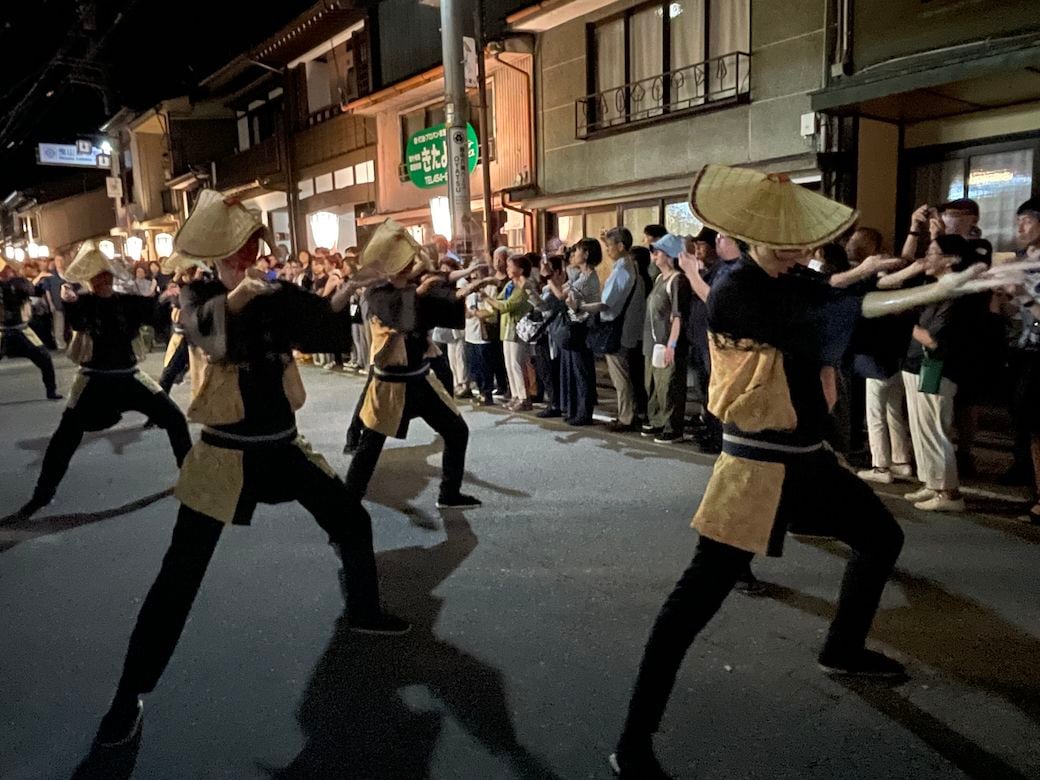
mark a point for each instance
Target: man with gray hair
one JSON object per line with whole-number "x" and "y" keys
{"x": 621, "y": 311}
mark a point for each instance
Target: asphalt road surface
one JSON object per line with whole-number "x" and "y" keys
{"x": 530, "y": 615}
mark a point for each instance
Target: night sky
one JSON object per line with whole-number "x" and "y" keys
{"x": 146, "y": 50}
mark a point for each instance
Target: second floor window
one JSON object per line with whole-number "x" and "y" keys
{"x": 671, "y": 55}
{"x": 259, "y": 121}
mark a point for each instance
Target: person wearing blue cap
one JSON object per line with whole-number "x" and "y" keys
{"x": 665, "y": 344}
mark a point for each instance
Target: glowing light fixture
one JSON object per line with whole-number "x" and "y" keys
{"x": 33, "y": 250}
{"x": 164, "y": 244}
{"x": 134, "y": 246}
{"x": 107, "y": 248}
{"x": 19, "y": 254}
{"x": 325, "y": 228}
{"x": 440, "y": 212}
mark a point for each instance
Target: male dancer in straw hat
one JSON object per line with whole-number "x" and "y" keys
{"x": 250, "y": 451}
{"x": 17, "y": 339}
{"x": 110, "y": 381}
{"x": 773, "y": 336}
{"x": 401, "y": 314}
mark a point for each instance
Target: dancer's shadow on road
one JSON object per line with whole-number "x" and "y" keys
{"x": 375, "y": 707}
{"x": 404, "y": 473}
{"x": 962, "y": 640}
{"x": 14, "y": 529}
{"x": 26, "y": 402}
{"x": 118, "y": 438}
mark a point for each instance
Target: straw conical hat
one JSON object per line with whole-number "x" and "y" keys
{"x": 391, "y": 250}
{"x": 766, "y": 210}
{"x": 217, "y": 228}
{"x": 91, "y": 261}
{"x": 178, "y": 261}
{"x": 14, "y": 265}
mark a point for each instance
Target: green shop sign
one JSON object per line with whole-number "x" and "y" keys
{"x": 427, "y": 156}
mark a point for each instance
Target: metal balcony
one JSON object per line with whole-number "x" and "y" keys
{"x": 703, "y": 86}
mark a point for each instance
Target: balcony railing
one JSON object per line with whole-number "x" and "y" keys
{"x": 698, "y": 87}
{"x": 323, "y": 115}
{"x": 256, "y": 162}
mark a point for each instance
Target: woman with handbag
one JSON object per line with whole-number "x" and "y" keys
{"x": 512, "y": 304}
{"x": 932, "y": 369}
{"x": 551, "y": 311}
{"x": 577, "y": 364}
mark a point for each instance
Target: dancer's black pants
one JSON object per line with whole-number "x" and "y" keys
{"x": 497, "y": 361}
{"x": 481, "y": 368}
{"x": 16, "y": 344}
{"x": 423, "y": 402}
{"x": 548, "y": 370}
{"x": 272, "y": 475}
{"x": 823, "y": 498}
{"x": 99, "y": 406}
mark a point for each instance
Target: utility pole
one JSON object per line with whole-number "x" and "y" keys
{"x": 456, "y": 114}
{"x": 485, "y": 150}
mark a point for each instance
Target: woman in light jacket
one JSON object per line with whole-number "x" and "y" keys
{"x": 512, "y": 304}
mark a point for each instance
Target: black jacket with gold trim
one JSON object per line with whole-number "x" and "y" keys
{"x": 400, "y": 323}
{"x": 250, "y": 388}
{"x": 769, "y": 338}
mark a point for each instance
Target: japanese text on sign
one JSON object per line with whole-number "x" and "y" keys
{"x": 427, "y": 159}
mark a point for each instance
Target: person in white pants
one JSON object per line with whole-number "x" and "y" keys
{"x": 939, "y": 335}
{"x": 512, "y": 304}
{"x": 887, "y": 431}
{"x": 931, "y": 426}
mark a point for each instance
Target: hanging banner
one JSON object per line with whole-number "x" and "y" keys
{"x": 469, "y": 60}
{"x": 427, "y": 160}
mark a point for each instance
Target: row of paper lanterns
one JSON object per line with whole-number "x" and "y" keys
{"x": 33, "y": 251}
{"x": 134, "y": 249}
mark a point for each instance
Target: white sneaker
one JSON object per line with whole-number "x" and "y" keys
{"x": 884, "y": 476}
{"x": 902, "y": 471}
{"x": 923, "y": 494}
{"x": 939, "y": 503}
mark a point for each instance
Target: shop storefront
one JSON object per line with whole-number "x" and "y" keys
{"x": 936, "y": 109}
{"x": 999, "y": 174}
{"x": 411, "y": 164}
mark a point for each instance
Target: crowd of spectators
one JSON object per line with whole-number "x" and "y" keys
{"x": 906, "y": 396}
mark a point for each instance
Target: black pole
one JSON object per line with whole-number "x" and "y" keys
{"x": 485, "y": 150}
